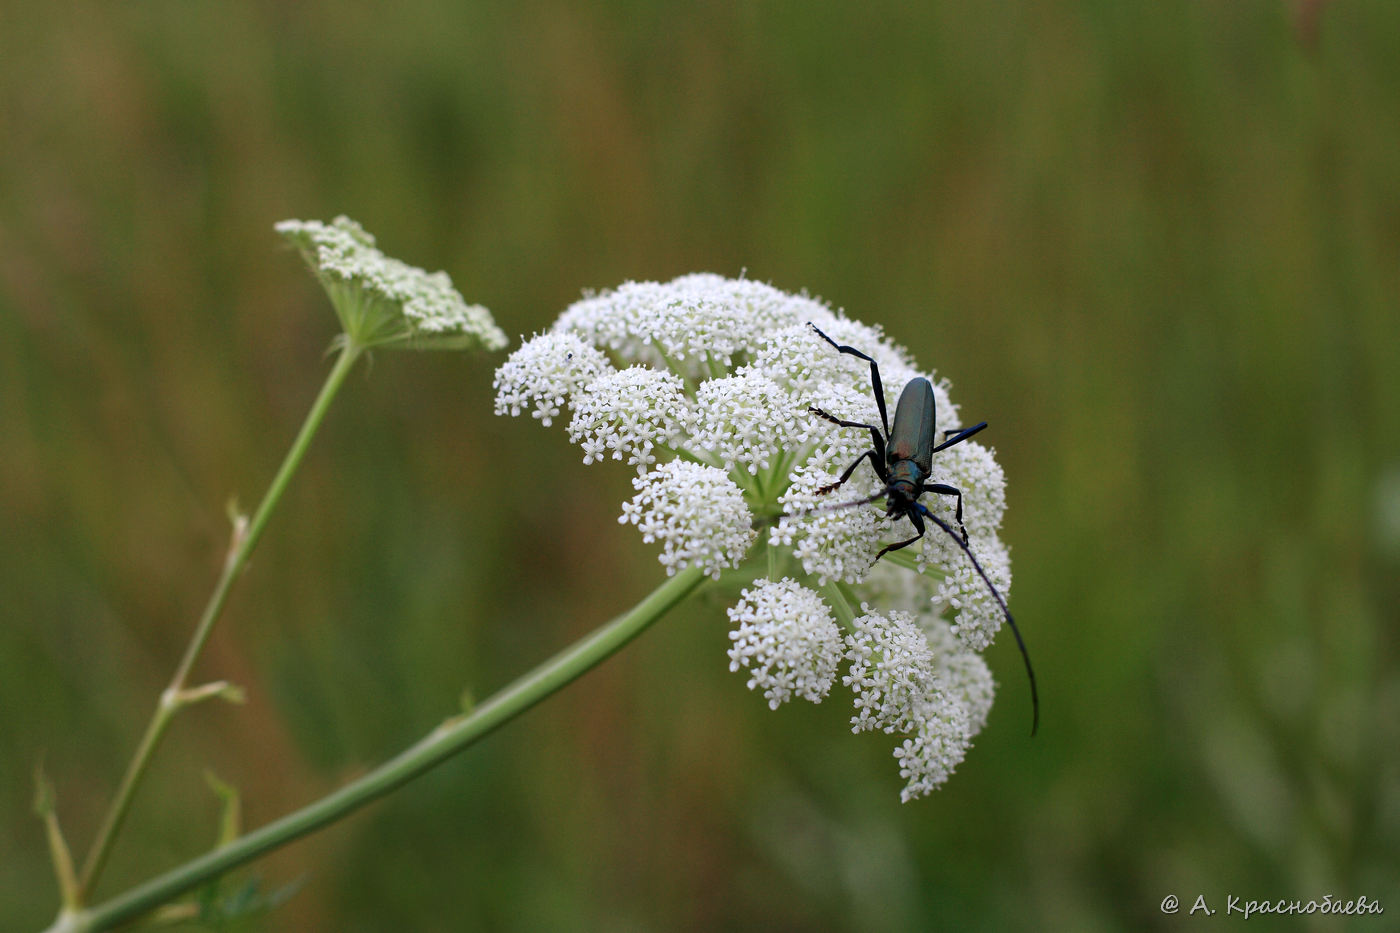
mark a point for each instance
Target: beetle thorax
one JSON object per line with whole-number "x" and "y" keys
{"x": 907, "y": 473}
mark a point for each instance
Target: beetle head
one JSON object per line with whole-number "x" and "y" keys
{"x": 901, "y": 497}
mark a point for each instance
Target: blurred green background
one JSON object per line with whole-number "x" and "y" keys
{"x": 1156, "y": 245}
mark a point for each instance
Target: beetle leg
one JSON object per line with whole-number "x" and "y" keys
{"x": 851, "y": 469}
{"x": 876, "y": 438}
{"x": 962, "y": 435}
{"x": 845, "y": 505}
{"x": 943, "y": 489}
{"x": 874, "y": 373}
{"x": 835, "y": 420}
{"x": 918, "y": 523}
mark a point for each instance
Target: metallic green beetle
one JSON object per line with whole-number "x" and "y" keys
{"x": 902, "y": 457}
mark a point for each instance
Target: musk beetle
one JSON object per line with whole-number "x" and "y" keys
{"x": 902, "y": 457}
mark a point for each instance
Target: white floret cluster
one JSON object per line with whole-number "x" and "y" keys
{"x": 382, "y": 301}
{"x": 787, "y": 639}
{"x": 704, "y": 385}
{"x": 545, "y": 373}
{"x": 696, "y": 512}
{"x": 630, "y": 413}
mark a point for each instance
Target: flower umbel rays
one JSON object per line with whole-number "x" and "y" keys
{"x": 383, "y": 302}
{"x": 704, "y": 386}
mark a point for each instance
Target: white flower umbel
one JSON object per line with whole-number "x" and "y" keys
{"x": 978, "y": 614}
{"x": 629, "y": 414}
{"x": 748, "y": 420}
{"x": 902, "y": 687}
{"x": 704, "y": 385}
{"x": 697, "y": 324}
{"x": 696, "y": 512}
{"x": 382, "y": 302}
{"x": 831, "y": 543}
{"x": 962, "y": 674}
{"x": 928, "y": 757}
{"x": 546, "y": 372}
{"x": 787, "y": 639}
{"x": 891, "y": 672}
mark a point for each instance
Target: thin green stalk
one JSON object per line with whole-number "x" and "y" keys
{"x": 58, "y": 847}
{"x": 446, "y": 740}
{"x": 840, "y": 605}
{"x": 177, "y": 695}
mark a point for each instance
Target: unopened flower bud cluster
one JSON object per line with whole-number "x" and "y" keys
{"x": 703, "y": 385}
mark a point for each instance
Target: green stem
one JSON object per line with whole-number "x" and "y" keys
{"x": 62, "y": 859}
{"x": 176, "y": 695}
{"x": 446, "y": 740}
{"x": 840, "y": 605}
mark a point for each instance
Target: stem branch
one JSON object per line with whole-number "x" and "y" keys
{"x": 173, "y": 698}
{"x": 446, "y": 740}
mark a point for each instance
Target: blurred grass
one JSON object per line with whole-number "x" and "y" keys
{"x": 1157, "y": 246}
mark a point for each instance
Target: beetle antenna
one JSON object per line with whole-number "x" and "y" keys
{"x": 803, "y": 513}
{"x": 1020, "y": 643}
{"x": 836, "y": 508}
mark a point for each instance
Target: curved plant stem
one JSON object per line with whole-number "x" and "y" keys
{"x": 442, "y": 743}
{"x": 177, "y": 694}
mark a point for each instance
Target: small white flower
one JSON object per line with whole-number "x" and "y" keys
{"x": 630, "y": 413}
{"x": 384, "y": 302}
{"x": 619, "y": 320}
{"x": 848, "y": 403}
{"x": 928, "y": 757}
{"x": 972, "y": 468}
{"x": 904, "y": 685}
{"x": 724, "y": 318}
{"x": 832, "y": 539}
{"x": 979, "y": 615}
{"x": 787, "y": 640}
{"x": 962, "y": 674}
{"x": 798, "y": 359}
{"x": 546, "y": 371}
{"x": 748, "y": 419}
{"x": 832, "y": 536}
{"x": 896, "y": 367}
{"x": 891, "y": 672}
{"x": 696, "y": 512}
{"x": 697, "y": 324}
